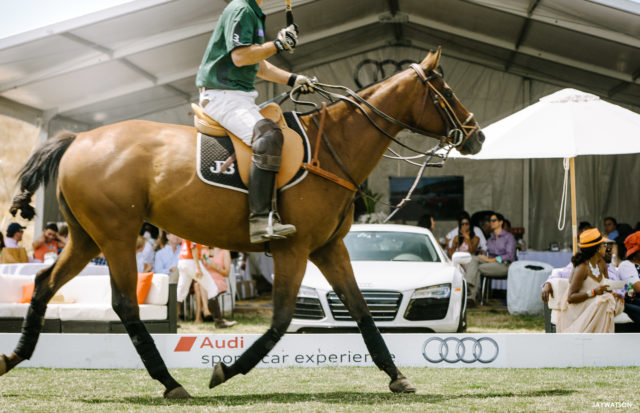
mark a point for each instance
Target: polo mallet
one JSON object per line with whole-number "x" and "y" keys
{"x": 289, "y": 14}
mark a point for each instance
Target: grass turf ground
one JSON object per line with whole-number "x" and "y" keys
{"x": 353, "y": 389}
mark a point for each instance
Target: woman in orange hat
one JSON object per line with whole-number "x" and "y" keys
{"x": 588, "y": 305}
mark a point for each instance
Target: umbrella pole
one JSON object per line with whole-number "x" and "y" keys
{"x": 574, "y": 215}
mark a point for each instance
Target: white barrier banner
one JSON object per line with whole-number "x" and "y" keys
{"x": 107, "y": 351}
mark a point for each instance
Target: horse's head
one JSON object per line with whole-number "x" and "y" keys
{"x": 457, "y": 124}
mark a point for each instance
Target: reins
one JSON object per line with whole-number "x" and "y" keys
{"x": 457, "y": 133}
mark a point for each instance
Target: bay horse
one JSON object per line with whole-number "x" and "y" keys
{"x": 113, "y": 178}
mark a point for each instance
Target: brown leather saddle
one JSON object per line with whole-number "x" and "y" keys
{"x": 292, "y": 150}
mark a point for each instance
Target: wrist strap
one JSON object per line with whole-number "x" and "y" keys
{"x": 292, "y": 80}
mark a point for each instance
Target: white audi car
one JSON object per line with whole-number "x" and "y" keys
{"x": 408, "y": 282}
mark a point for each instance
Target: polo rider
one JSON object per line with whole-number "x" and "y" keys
{"x": 235, "y": 55}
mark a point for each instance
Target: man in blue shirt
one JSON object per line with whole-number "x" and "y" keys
{"x": 166, "y": 261}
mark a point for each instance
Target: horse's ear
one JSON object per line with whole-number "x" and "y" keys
{"x": 432, "y": 60}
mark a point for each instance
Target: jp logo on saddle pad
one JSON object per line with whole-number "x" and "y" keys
{"x": 224, "y": 160}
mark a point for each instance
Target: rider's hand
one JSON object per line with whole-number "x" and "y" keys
{"x": 287, "y": 39}
{"x": 302, "y": 83}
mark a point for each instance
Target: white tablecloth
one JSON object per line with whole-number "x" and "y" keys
{"x": 557, "y": 259}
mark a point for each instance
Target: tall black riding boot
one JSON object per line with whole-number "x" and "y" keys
{"x": 267, "y": 147}
{"x": 264, "y": 226}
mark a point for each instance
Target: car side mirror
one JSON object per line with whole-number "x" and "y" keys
{"x": 460, "y": 258}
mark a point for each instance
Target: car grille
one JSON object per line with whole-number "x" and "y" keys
{"x": 383, "y": 305}
{"x": 427, "y": 309}
{"x": 308, "y": 309}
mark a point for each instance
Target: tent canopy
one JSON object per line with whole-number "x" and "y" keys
{"x": 141, "y": 57}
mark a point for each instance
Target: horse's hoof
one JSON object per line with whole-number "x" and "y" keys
{"x": 218, "y": 376}
{"x": 177, "y": 393}
{"x": 402, "y": 385}
{"x": 3, "y": 364}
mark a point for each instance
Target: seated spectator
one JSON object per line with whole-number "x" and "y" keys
{"x": 565, "y": 273}
{"x": 166, "y": 259}
{"x": 466, "y": 240}
{"x": 141, "y": 265}
{"x": 481, "y": 219}
{"x": 584, "y": 225}
{"x": 501, "y": 251}
{"x": 190, "y": 267}
{"x": 427, "y": 221}
{"x": 49, "y": 242}
{"x": 629, "y": 270}
{"x": 63, "y": 233}
{"x": 217, "y": 262}
{"x": 464, "y": 215}
{"x": 611, "y": 228}
{"x": 588, "y": 306}
{"x": 13, "y": 252}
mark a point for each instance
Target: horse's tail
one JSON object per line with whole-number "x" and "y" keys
{"x": 41, "y": 166}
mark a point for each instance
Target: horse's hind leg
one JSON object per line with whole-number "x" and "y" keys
{"x": 333, "y": 260}
{"x": 76, "y": 254}
{"x": 289, "y": 269}
{"x": 122, "y": 264}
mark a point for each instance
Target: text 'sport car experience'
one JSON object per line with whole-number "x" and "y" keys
{"x": 408, "y": 282}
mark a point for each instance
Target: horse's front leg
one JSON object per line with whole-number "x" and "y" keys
{"x": 334, "y": 262}
{"x": 289, "y": 266}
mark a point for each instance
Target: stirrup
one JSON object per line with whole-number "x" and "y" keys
{"x": 270, "y": 233}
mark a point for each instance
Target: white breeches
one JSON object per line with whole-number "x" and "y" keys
{"x": 235, "y": 110}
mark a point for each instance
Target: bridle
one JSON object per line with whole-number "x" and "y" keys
{"x": 457, "y": 132}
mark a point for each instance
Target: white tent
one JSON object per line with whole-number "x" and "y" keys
{"x": 565, "y": 124}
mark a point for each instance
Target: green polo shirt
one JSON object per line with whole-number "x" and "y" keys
{"x": 241, "y": 24}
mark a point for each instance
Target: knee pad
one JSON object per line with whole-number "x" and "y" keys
{"x": 267, "y": 145}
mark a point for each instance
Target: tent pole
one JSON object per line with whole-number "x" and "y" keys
{"x": 574, "y": 215}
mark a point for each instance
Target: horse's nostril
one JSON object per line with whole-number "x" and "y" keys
{"x": 480, "y": 136}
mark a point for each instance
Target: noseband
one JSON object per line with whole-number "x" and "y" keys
{"x": 457, "y": 132}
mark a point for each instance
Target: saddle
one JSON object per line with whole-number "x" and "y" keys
{"x": 292, "y": 149}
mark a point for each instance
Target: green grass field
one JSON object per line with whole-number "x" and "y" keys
{"x": 325, "y": 390}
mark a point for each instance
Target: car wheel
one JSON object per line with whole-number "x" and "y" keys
{"x": 462, "y": 325}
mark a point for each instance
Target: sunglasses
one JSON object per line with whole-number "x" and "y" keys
{"x": 465, "y": 223}
{"x": 493, "y": 220}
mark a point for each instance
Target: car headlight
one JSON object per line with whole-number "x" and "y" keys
{"x": 435, "y": 291}
{"x": 307, "y": 292}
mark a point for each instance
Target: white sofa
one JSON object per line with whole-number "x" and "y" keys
{"x": 559, "y": 287}
{"x": 84, "y": 305}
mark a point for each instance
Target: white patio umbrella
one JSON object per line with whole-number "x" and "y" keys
{"x": 565, "y": 124}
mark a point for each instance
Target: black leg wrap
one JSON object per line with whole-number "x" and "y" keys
{"x": 31, "y": 327}
{"x": 146, "y": 348}
{"x": 377, "y": 347}
{"x": 255, "y": 353}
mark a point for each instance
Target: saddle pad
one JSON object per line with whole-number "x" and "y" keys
{"x": 213, "y": 152}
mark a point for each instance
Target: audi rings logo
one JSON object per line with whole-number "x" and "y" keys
{"x": 454, "y": 349}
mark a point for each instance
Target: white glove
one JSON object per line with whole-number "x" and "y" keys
{"x": 287, "y": 39}
{"x": 302, "y": 83}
